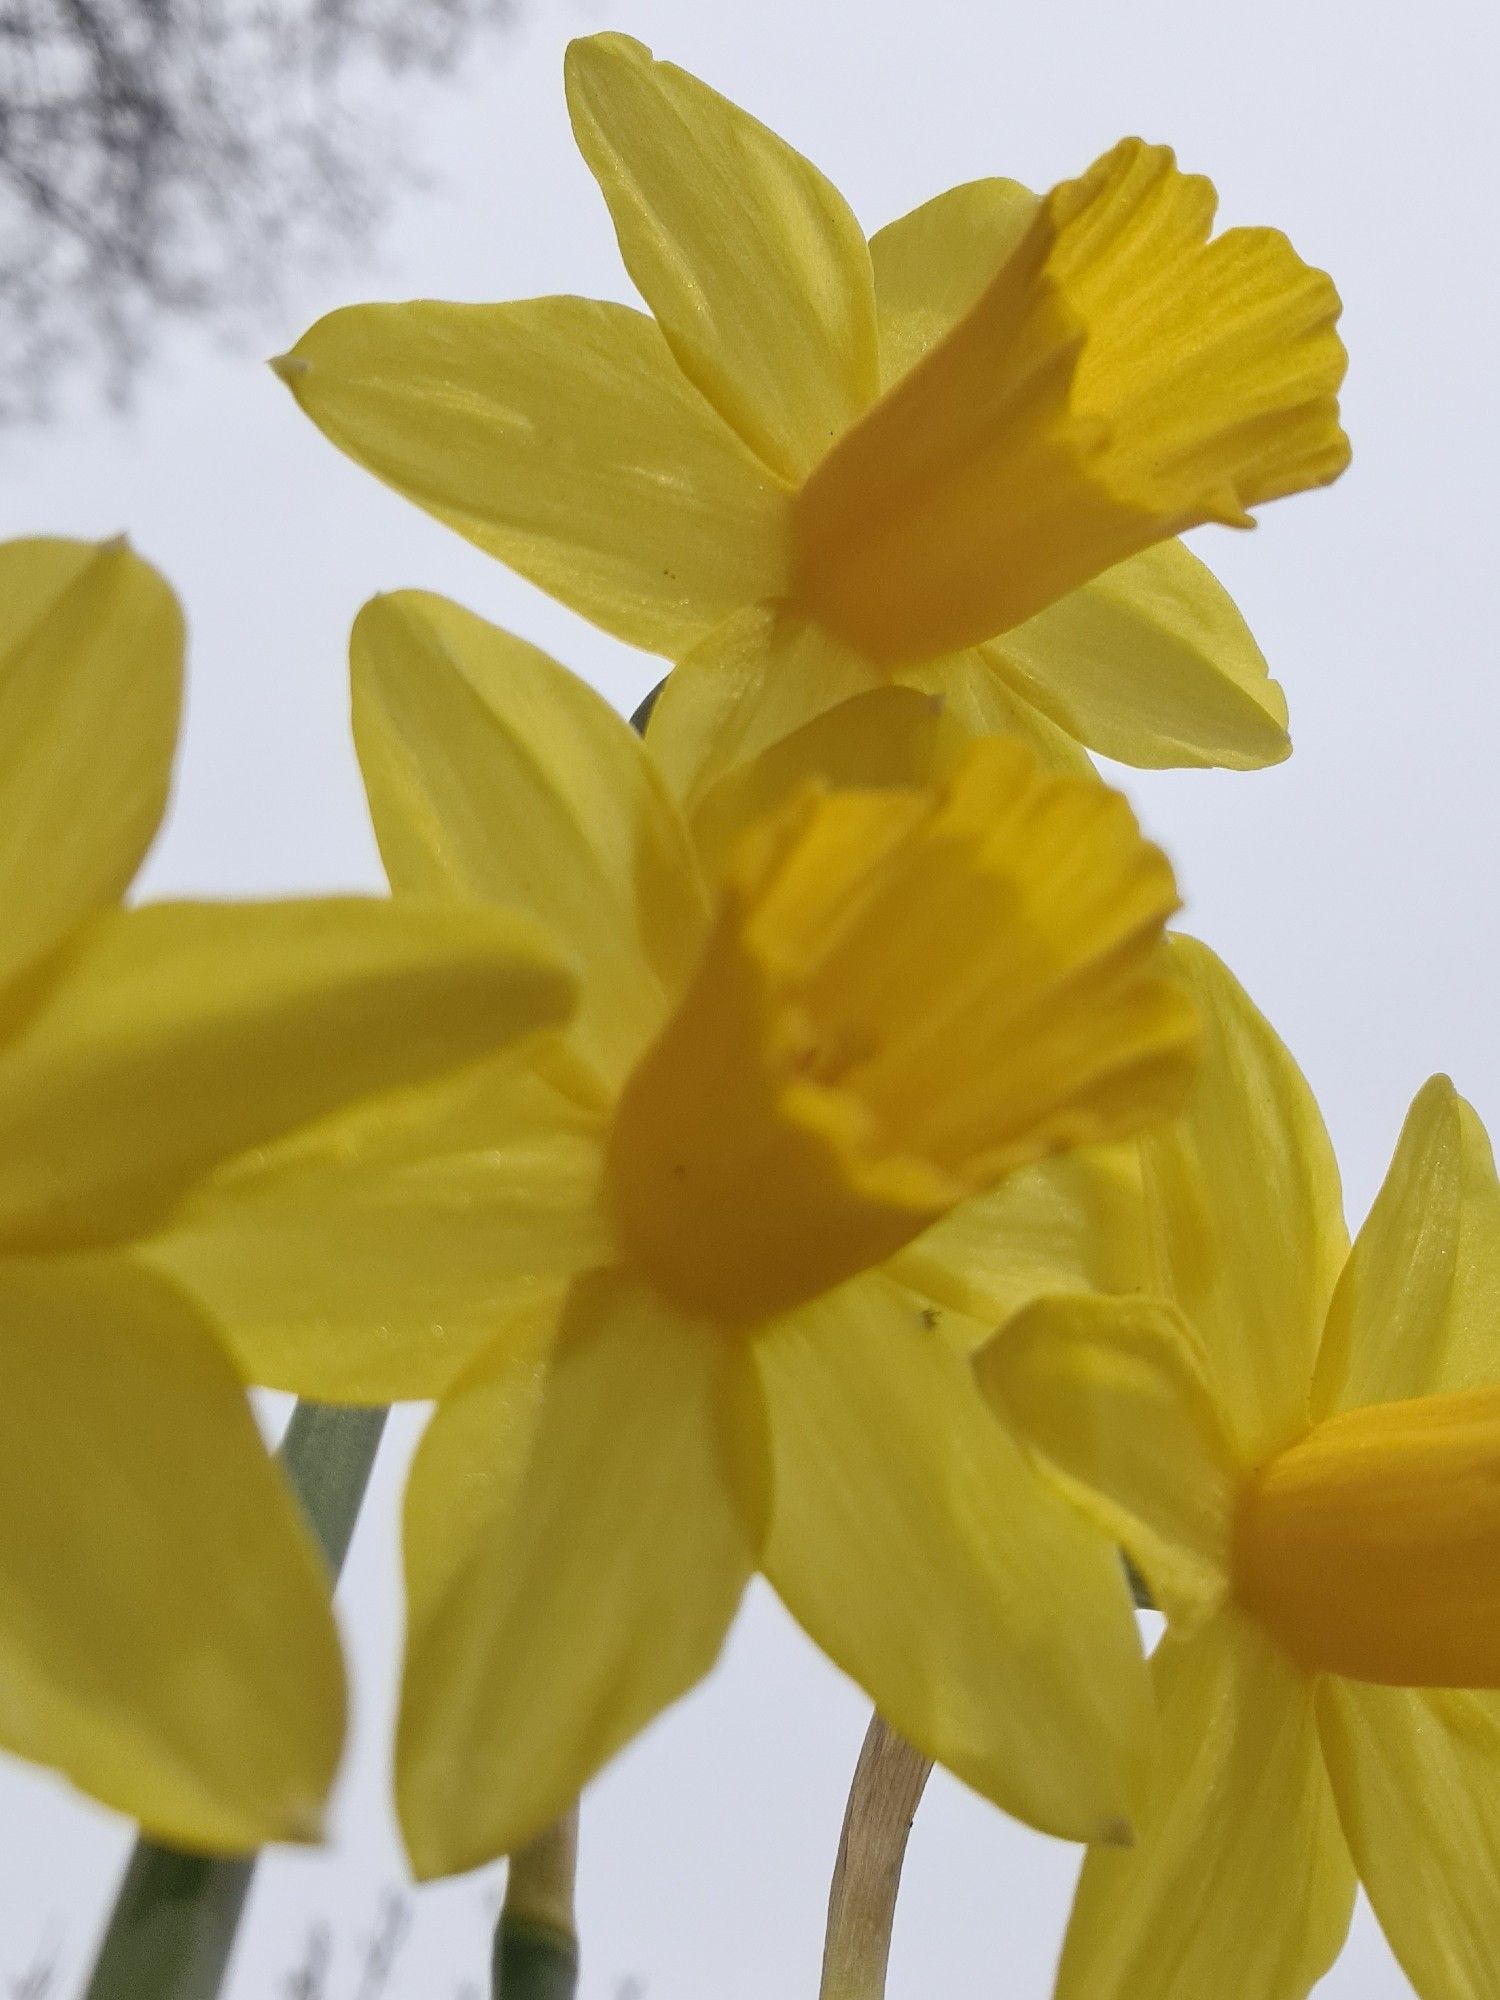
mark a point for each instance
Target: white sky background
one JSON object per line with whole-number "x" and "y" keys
{"x": 1353, "y": 889}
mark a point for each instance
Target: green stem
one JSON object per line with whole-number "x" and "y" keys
{"x": 176, "y": 1915}
{"x": 328, "y": 1454}
{"x": 888, "y": 1784}
{"x": 536, "y": 1943}
{"x": 173, "y": 1928}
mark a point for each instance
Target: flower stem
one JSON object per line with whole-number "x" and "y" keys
{"x": 536, "y": 1944}
{"x": 328, "y": 1454}
{"x": 888, "y": 1783}
{"x": 176, "y": 1915}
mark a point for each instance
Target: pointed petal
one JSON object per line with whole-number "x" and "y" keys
{"x": 559, "y": 435}
{"x": 181, "y": 1033}
{"x": 495, "y": 774}
{"x": 575, "y": 1551}
{"x": 1112, "y": 1398}
{"x": 757, "y": 678}
{"x": 1151, "y": 664}
{"x": 1415, "y": 1773}
{"x": 1242, "y": 1192}
{"x": 1074, "y": 1223}
{"x": 766, "y": 675}
{"x": 982, "y": 703}
{"x": 1239, "y": 1881}
{"x": 886, "y": 736}
{"x": 165, "y": 1637}
{"x": 757, "y": 272}
{"x": 908, "y": 1535}
{"x": 932, "y": 264}
{"x": 1417, "y": 1305}
{"x": 372, "y": 1259}
{"x": 90, "y": 688}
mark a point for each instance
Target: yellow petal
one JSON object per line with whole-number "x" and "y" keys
{"x": 1071, "y": 1223}
{"x": 1417, "y": 1307}
{"x": 1239, "y": 1884}
{"x": 371, "y": 1259}
{"x": 752, "y": 263}
{"x": 90, "y": 687}
{"x": 560, "y": 436}
{"x": 1112, "y": 1397}
{"x": 495, "y": 774}
{"x": 987, "y": 1623}
{"x": 982, "y": 702}
{"x": 1242, "y": 1194}
{"x": 766, "y": 676}
{"x": 165, "y": 1633}
{"x": 897, "y": 733}
{"x": 758, "y": 678}
{"x": 575, "y": 1551}
{"x": 887, "y": 736}
{"x": 1119, "y": 380}
{"x": 1417, "y": 1777}
{"x": 181, "y": 1033}
{"x": 931, "y": 265}
{"x": 1151, "y": 664}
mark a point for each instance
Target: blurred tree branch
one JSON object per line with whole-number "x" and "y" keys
{"x": 174, "y": 157}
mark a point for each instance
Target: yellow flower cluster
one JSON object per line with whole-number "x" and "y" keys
{"x": 787, "y": 1143}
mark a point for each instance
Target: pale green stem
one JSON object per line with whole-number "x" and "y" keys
{"x": 888, "y": 1783}
{"x": 176, "y": 1915}
{"x": 536, "y": 1941}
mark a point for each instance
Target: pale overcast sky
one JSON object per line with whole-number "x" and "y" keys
{"x": 1352, "y": 889}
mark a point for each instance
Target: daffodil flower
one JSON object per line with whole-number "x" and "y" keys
{"x": 956, "y": 455}
{"x": 674, "y": 1279}
{"x": 165, "y": 1632}
{"x": 1297, "y": 1444}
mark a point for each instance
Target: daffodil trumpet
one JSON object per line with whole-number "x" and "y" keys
{"x": 692, "y": 1281}
{"x": 957, "y": 455}
{"x": 1298, "y": 1444}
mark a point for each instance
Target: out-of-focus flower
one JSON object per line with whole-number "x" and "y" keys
{"x": 956, "y": 455}
{"x": 1297, "y": 1444}
{"x": 674, "y": 1278}
{"x": 165, "y": 1632}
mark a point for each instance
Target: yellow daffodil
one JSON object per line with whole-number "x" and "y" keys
{"x": 956, "y": 455}
{"x": 165, "y": 1632}
{"x": 1298, "y": 1445}
{"x": 675, "y": 1280}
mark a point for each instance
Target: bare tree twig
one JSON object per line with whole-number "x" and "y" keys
{"x": 385, "y": 1944}
{"x": 161, "y": 158}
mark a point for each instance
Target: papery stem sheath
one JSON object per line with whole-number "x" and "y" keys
{"x": 176, "y": 1915}
{"x": 888, "y": 1783}
{"x": 536, "y": 1942}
